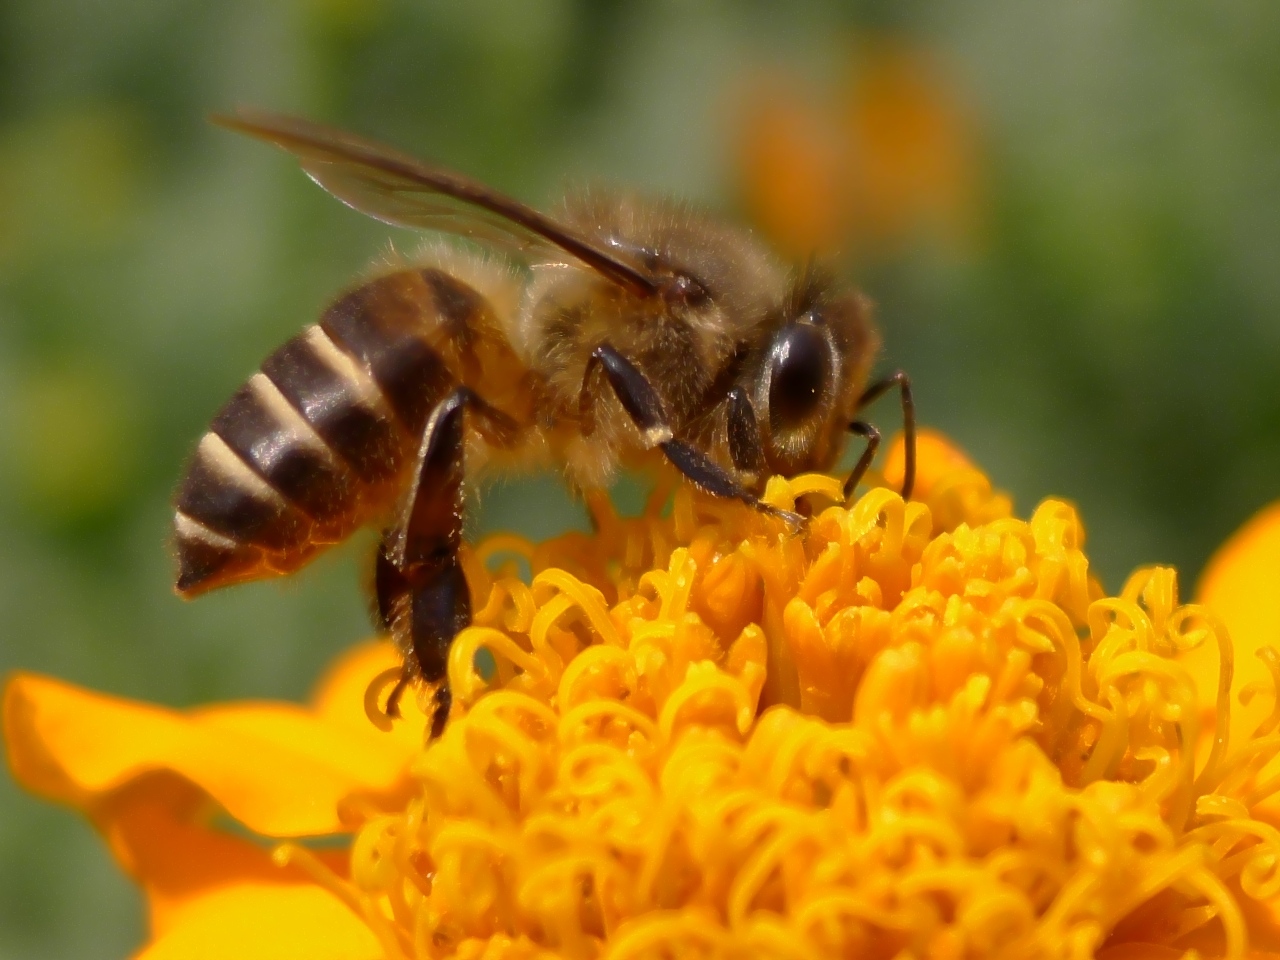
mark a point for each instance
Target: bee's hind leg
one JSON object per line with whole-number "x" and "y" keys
{"x": 642, "y": 403}
{"x": 421, "y": 592}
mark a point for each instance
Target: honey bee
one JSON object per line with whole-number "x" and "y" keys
{"x": 621, "y": 332}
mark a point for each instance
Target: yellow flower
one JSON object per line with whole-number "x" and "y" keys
{"x": 921, "y": 730}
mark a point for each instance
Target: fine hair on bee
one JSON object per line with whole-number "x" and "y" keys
{"x": 622, "y": 332}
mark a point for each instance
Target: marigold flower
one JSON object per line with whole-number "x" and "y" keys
{"x": 920, "y": 730}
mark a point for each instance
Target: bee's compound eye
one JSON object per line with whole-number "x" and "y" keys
{"x": 799, "y": 370}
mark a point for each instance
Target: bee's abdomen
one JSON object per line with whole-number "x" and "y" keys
{"x": 383, "y": 332}
{"x": 311, "y": 445}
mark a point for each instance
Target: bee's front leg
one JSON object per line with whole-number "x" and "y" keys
{"x": 745, "y": 448}
{"x": 421, "y": 592}
{"x": 861, "y": 428}
{"x": 872, "y": 435}
{"x": 643, "y": 405}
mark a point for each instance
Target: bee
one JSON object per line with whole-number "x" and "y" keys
{"x": 619, "y": 333}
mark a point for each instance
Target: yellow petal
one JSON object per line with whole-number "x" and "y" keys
{"x": 255, "y": 921}
{"x": 149, "y": 826}
{"x": 279, "y": 769}
{"x": 1241, "y": 579}
{"x": 215, "y": 895}
{"x": 1241, "y": 585}
{"x": 339, "y": 696}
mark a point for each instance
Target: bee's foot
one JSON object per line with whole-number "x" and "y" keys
{"x": 392, "y": 710}
{"x": 795, "y": 522}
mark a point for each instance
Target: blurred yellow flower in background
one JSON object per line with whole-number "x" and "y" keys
{"x": 920, "y": 730}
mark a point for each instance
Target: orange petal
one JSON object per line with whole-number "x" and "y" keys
{"x": 1263, "y": 922}
{"x": 915, "y": 145}
{"x": 1143, "y": 951}
{"x": 152, "y": 828}
{"x": 936, "y": 456}
{"x": 1240, "y": 586}
{"x": 279, "y": 769}
{"x": 214, "y": 895}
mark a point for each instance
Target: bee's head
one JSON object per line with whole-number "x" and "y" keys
{"x": 808, "y": 373}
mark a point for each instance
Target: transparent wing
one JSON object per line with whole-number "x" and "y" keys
{"x": 397, "y": 189}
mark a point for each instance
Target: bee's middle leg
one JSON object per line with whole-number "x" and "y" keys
{"x": 643, "y": 405}
{"x": 420, "y": 589}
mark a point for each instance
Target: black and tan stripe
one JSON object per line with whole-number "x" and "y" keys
{"x": 309, "y": 448}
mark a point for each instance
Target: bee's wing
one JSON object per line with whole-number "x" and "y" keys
{"x": 397, "y": 189}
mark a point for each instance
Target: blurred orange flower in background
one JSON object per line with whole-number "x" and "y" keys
{"x": 892, "y": 155}
{"x": 971, "y": 751}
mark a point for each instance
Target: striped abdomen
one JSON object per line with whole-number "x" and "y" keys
{"x": 313, "y": 445}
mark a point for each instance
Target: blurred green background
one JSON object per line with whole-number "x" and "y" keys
{"x": 1069, "y": 215}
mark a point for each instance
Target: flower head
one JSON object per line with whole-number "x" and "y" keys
{"x": 921, "y": 729}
